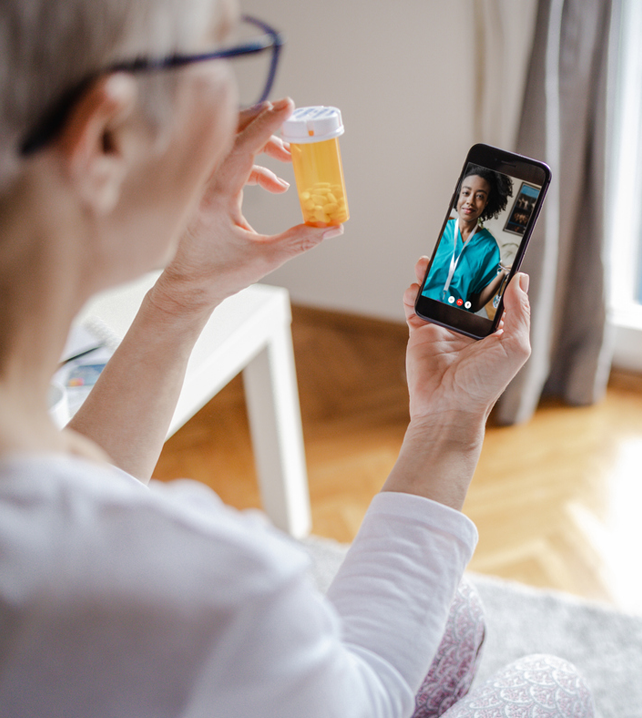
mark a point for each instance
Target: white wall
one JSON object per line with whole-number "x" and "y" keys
{"x": 404, "y": 74}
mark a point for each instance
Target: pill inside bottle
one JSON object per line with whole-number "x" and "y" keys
{"x": 313, "y": 134}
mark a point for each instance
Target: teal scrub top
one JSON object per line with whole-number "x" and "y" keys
{"x": 477, "y": 267}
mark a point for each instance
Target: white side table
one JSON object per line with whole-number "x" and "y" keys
{"x": 249, "y": 332}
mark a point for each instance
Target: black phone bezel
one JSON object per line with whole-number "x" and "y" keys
{"x": 519, "y": 167}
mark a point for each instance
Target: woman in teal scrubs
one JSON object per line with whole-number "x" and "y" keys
{"x": 466, "y": 271}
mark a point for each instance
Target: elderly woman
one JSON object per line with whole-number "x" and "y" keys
{"x": 122, "y": 150}
{"x": 466, "y": 270}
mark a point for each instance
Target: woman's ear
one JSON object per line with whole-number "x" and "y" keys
{"x": 94, "y": 144}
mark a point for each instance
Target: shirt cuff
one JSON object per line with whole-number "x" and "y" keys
{"x": 425, "y": 511}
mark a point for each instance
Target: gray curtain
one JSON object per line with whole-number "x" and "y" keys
{"x": 564, "y": 123}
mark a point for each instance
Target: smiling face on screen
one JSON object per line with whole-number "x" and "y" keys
{"x": 473, "y": 198}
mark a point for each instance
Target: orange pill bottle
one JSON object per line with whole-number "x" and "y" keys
{"x": 313, "y": 134}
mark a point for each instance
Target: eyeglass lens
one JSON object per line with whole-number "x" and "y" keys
{"x": 253, "y": 72}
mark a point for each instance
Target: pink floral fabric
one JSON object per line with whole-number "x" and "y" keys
{"x": 537, "y": 686}
{"x": 457, "y": 658}
{"x": 533, "y": 687}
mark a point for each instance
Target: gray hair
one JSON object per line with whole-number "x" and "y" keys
{"x": 49, "y": 46}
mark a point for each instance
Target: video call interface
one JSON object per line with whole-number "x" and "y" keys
{"x": 480, "y": 241}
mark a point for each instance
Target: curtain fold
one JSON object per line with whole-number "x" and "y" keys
{"x": 503, "y": 38}
{"x": 563, "y": 122}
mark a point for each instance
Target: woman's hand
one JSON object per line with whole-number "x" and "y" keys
{"x": 454, "y": 381}
{"x": 450, "y": 374}
{"x": 129, "y": 410}
{"x": 219, "y": 253}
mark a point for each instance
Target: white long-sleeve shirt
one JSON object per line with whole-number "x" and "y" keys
{"x": 118, "y": 600}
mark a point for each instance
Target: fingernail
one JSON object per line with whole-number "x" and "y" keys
{"x": 524, "y": 282}
{"x": 283, "y": 183}
{"x": 333, "y": 232}
{"x": 259, "y": 107}
{"x": 281, "y": 104}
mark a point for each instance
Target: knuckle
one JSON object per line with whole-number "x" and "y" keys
{"x": 309, "y": 242}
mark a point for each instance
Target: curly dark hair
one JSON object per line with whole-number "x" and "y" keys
{"x": 501, "y": 188}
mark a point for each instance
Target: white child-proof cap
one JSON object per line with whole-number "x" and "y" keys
{"x": 312, "y": 124}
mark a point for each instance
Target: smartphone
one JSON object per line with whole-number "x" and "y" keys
{"x": 482, "y": 241}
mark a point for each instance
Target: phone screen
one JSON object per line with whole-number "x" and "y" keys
{"x": 481, "y": 244}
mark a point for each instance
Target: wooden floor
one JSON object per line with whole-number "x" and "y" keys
{"x": 558, "y": 501}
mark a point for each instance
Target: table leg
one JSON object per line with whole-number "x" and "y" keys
{"x": 277, "y": 438}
